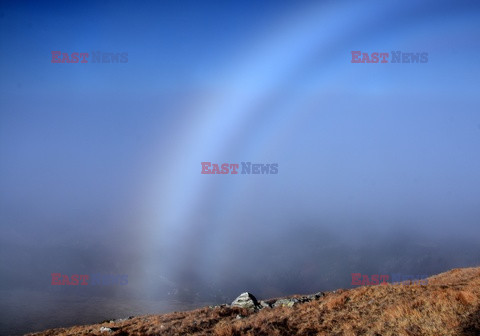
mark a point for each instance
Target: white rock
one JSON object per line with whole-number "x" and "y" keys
{"x": 246, "y": 300}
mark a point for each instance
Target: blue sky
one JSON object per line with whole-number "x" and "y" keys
{"x": 101, "y": 162}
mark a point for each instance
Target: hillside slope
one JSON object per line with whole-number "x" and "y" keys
{"x": 448, "y": 305}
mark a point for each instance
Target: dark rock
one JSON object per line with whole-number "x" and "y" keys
{"x": 316, "y": 296}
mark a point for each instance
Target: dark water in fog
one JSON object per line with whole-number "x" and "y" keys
{"x": 28, "y": 311}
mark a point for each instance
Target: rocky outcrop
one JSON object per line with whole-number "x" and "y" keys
{"x": 246, "y": 300}
{"x": 290, "y": 302}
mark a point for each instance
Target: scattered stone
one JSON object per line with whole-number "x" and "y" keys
{"x": 105, "y": 329}
{"x": 293, "y": 301}
{"x": 246, "y": 300}
{"x": 264, "y": 304}
{"x": 315, "y": 296}
{"x": 239, "y": 317}
{"x": 218, "y": 306}
{"x": 285, "y": 303}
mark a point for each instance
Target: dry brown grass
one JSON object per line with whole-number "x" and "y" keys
{"x": 448, "y": 305}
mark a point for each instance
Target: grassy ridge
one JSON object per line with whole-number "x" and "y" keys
{"x": 448, "y": 305}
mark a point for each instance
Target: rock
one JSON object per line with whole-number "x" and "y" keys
{"x": 264, "y": 304}
{"x": 316, "y": 296}
{"x": 106, "y": 329}
{"x": 246, "y": 300}
{"x": 285, "y": 303}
